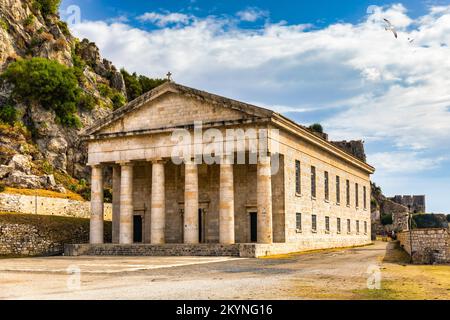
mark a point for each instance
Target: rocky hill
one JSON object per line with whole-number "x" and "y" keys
{"x": 52, "y": 86}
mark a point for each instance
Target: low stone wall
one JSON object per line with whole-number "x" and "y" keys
{"x": 48, "y": 206}
{"x": 28, "y": 240}
{"x": 428, "y": 245}
{"x": 151, "y": 250}
{"x": 244, "y": 250}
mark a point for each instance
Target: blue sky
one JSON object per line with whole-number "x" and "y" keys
{"x": 314, "y": 61}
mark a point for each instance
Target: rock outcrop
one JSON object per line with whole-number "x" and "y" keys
{"x": 38, "y": 144}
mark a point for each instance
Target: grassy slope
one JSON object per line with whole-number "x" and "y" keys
{"x": 44, "y": 193}
{"x": 403, "y": 281}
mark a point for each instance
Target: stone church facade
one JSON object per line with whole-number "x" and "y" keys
{"x": 301, "y": 193}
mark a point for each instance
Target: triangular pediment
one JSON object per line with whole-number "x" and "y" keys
{"x": 172, "y": 105}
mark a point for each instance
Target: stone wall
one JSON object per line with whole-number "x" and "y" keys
{"x": 428, "y": 245}
{"x": 48, "y": 206}
{"x": 27, "y": 240}
{"x": 335, "y": 207}
{"x": 415, "y": 204}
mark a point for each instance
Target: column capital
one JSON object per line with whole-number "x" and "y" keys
{"x": 125, "y": 163}
{"x": 94, "y": 165}
{"x": 157, "y": 160}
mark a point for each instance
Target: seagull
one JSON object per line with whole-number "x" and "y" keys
{"x": 410, "y": 40}
{"x": 390, "y": 27}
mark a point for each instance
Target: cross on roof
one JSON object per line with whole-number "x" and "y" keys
{"x": 169, "y": 76}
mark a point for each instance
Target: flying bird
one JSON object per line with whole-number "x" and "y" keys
{"x": 410, "y": 40}
{"x": 390, "y": 27}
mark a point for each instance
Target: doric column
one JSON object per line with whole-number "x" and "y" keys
{"x": 96, "y": 225}
{"x": 226, "y": 204}
{"x": 158, "y": 209}
{"x": 264, "y": 200}
{"x": 191, "y": 234}
{"x": 116, "y": 204}
{"x": 126, "y": 204}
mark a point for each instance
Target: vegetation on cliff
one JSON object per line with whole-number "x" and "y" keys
{"x": 47, "y": 82}
{"x": 51, "y": 86}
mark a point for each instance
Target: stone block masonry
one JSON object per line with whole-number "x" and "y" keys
{"x": 428, "y": 245}
{"x": 42, "y": 235}
{"x": 49, "y": 206}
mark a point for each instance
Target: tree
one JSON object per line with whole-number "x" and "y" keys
{"x": 47, "y": 82}
{"x": 316, "y": 127}
{"x": 138, "y": 85}
{"x": 134, "y": 88}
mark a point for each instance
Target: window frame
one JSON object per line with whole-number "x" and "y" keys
{"x": 349, "y": 226}
{"x": 313, "y": 182}
{"x": 298, "y": 177}
{"x": 327, "y": 224}
{"x": 326, "y": 176}
{"x": 357, "y": 226}
{"x": 347, "y": 188}
{"x": 314, "y": 223}
{"x": 356, "y": 195}
{"x": 365, "y": 197}
{"x": 338, "y": 225}
{"x": 338, "y": 190}
{"x": 297, "y": 221}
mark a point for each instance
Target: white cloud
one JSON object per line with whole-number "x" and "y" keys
{"x": 251, "y": 14}
{"x": 164, "y": 19}
{"x": 404, "y": 162}
{"x": 387, "y": 91}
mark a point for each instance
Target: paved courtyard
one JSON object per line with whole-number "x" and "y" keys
{"x": 332, "y": 274}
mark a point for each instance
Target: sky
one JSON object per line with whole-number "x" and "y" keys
{"x": 330, "y": 62}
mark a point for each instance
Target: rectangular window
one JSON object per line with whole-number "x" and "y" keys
{"x": 338, "y": 223}
{"x": 314, "y": 223}
{"x": 338, "y": 190}
{"x": 313, "y": 181}
{"x": 365, "y": 197}
{"x": 327, "y": 187}
{"x": 357, "y": 226}
{"x": 349, "y": 227}
{"x": 298, "y": 221}
{"x": 357, "y": 195}
{"x": 327, "y": 224}
{"x": 298, "y": 186}
{"x": 365, "y": 227}
{"x": 348, "y": 192}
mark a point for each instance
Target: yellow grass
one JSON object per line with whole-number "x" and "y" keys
{"x": 44, "y": 193}
{"x": 293, "y": 254}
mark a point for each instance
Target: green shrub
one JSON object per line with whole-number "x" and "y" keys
{"x": 47, "y": 7}
{"x": 78, "y": 66}
{"x": 87, "y": 101}
{"x": 448, "y": 218}
{"x": 105, "y": 90}
{"x": 8, "y": 114}
{"x": 118, "y": 100}
{"x": 48, "y": 83}
{"x": 29, "y": 20}
{"x": 148, "y": 84}
{"x": 430, "y": 220}
{"x": 64, "y": 28}
{"x": 137, "y": 85}
{"x": 2, "y": 188}
{"x": 4, "y": 25}
{"x": 386, "y": 219}
{"x": 316, "y": 127}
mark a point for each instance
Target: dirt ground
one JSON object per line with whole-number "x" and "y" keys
{"x": 373, "y": 272}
